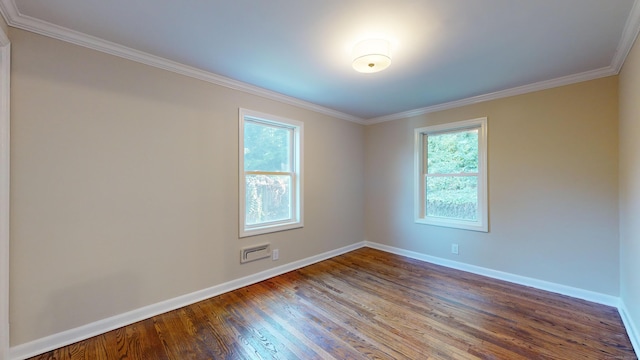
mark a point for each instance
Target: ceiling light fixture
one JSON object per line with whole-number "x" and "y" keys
{"x": 371, "y": 55}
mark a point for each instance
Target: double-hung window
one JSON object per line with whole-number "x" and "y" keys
{"x": 270, "y": 157}
{"x": 451, "y": 175}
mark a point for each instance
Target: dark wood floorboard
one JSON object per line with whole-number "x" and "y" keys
{"x": 368, "y": 304}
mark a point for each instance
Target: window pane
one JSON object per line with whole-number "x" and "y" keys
{"x": 266, "y": 148}
{"x": 453, "y": 153}
{"x": 268, "y": 198}
{"x": 453, "y": 197}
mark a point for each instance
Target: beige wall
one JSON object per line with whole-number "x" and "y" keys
{"x": 553, "y": 191}
{"x": 124, "y": 186}
{"x": 4, "y": 174}
{"x": 630, "y": 185}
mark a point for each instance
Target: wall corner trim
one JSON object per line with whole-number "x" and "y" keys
{"x": 632, "y": 328}
{"x": 5, "y": 119}
{"x": 629, "y": 35}
{"x": 64, "y": 338}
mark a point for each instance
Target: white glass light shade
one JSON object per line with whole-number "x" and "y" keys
{"x": 371, "y": 56}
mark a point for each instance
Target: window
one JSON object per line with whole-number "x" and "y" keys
{"x": 270, "y": 155}
{"x": 451, "y": 175}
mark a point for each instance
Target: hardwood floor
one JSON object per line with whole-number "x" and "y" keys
{"x": 369, "y": 304}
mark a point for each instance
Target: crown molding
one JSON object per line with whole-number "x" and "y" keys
{"x": 542, "y": 85}
{"x": 629, "y": 35}
{"x": 15, "y": 19}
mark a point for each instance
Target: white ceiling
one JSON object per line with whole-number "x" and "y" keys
{"x": 445, "y": 52}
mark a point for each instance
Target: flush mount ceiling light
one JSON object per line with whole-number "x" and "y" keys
{"x": 371, "y": 55}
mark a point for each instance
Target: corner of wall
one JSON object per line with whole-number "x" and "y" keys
{"x": 5, "y": 67}
{"x": 632, "y": 329}
{"x": 629, "y": 190}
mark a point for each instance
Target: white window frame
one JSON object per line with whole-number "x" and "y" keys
{"x": 420, "y": 169}
{"x": 296, "y": 220}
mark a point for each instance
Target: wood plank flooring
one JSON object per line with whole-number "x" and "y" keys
{"x": 368, "y": 304}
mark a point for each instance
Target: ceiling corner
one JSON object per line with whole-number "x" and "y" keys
{"x": 541, "y": 85}
{"x": 9, "y": 11}
{"x": 14, "y": 18}
{"x": 629, "y": 35}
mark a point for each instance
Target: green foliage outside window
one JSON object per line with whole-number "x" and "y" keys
{"x": 452, "y": 196}
{"x": 267, "y": 148}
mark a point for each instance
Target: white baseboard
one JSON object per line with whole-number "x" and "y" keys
{"x": 51, "y": 342}
{"x": 500, "y": 275}
{"x": 632, "y": 329}
{"x": 592, "y": 296}
{"x": 71, "y": 336}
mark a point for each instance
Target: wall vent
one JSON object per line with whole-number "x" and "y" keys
{"x": 256, "y": 252}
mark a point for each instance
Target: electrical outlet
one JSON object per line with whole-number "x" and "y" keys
{"x": 275, "y": 254}
{"x": 454, "y": 249}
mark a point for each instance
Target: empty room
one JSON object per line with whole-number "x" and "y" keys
{"x": 339, "y": 179}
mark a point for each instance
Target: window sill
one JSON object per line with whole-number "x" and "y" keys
{"x": 456, "y": 224}
{"x": 270, "y": 229}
